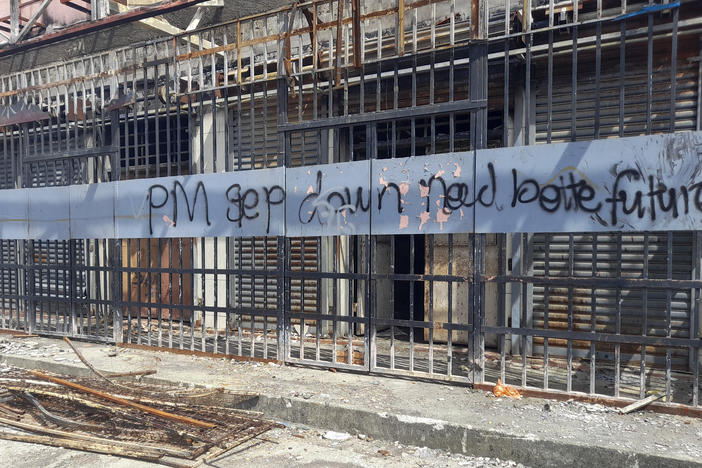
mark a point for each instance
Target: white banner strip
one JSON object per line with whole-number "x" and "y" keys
{"x": 648, "y": 183}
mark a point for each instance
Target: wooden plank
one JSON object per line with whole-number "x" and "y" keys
{"x": 640, "y": 404}
{"x": 110, "y": 449}
{"x": 153, "y": 451}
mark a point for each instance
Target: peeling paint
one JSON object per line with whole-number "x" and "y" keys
{"x": 168, "y": 221}
{"x": 424, "y": 216}
{"x": 442, "y": 217}
{"x": 404, "y": 221}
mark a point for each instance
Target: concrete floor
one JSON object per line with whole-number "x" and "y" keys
{"x": 450, "y": 417}
{"x": 294, "y": 446}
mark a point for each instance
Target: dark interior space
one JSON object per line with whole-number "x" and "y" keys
{"x": 408, "y": 295}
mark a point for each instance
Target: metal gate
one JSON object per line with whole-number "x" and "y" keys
{"x": 328, "y": 82}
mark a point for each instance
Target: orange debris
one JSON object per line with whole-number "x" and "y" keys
{"x": 500, "y": 390}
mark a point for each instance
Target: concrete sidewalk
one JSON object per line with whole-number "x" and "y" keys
{"x": 532, "y": 431}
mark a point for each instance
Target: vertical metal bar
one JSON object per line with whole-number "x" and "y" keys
{"x": 506, "y": 94}
{"x": 501, "y": 299}
{"x": 547, "y": 306}
{"x": 622, "y": 72}
{"x": 644, "y": 318}
{"x": 571, "y": 274}
{"x": 673, "y": 69}
{"x": 649, "y": 76}
{"x": 523, "y": 306}
{"x": 668, "y": 315}
{"x": 698, "y": 123}
{"x": 430, "y": 240}
{"x": 598, "y": 66}
{"x": 449, "y": 332}
{"x": 574, "y": 77}
{"x": 618, "y": 318}
{"x": 252, "y": 317}
{"x": 72, "y": 289}
{"x": 695, "y": 321}
{"x": 228, "y": 241}
{"x": 411, "y": 304}
{"x": 593, "y": 313}
{"x": 181, "y": 286}
{"x": 527, "y": 74}
{"x": 335, "y": 292}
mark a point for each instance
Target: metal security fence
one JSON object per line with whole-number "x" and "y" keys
{"x": 328, "y": 82}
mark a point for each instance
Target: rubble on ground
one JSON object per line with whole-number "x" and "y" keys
{"x": 160, "y": 424}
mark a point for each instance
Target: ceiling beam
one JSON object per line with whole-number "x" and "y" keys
{"x": 91, "y": 26}
{"x": 195, "y": 21}
{"x": 164, "y": 26}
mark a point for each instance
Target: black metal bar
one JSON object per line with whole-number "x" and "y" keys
{"x": 355, "y": 119}
{"x": 599, "y": 337}
{"x": 588, "y": 282}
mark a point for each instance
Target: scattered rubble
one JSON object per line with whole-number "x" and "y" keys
{"x": 341, "y": 436}
{"x": 166, "y": 425}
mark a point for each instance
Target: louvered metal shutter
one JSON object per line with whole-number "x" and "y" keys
{"x": 609, "y": 264}
{"x": 254, "y": 145}
{"x": 632, "y": 257}
{"x": 635, "y": 97}
{"x": 305, "y": 253}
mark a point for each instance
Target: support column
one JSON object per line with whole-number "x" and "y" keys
{"x": 478, "y": 93}
{"x": 116, "y": 244}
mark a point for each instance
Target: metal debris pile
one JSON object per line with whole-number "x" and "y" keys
{"x": 166, "y": 425}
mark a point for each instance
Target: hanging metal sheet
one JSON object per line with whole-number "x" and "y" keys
{"x": 629, "y": 184}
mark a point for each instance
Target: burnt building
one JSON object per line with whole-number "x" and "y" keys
{"x": 380, "y": 84}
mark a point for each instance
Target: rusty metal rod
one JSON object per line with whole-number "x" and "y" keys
{"x": 85, "y": 361}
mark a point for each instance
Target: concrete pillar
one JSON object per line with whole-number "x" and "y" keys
{"x": 212, "y": 127}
